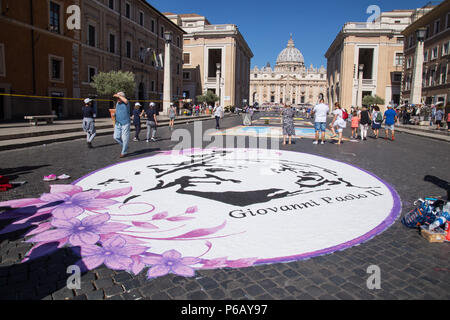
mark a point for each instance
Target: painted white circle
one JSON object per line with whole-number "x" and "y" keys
{"x": 273, "y": 206}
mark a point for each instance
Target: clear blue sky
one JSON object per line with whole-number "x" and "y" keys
{"x": 266, "y": 25}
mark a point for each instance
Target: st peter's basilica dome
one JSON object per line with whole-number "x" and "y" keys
{"x": 290, "y": 55}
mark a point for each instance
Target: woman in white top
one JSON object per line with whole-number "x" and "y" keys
{"x": 338, "y": 122}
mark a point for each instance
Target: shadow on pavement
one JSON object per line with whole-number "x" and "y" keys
{"x": 39, "y": 277}
{"x": 143, "y": 151}
{"x": 440, "y": 183}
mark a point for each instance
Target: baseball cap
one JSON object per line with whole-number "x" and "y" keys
{"x": 152, "y": 104}
{"x": 137, "y": 104}
{"x": 88, "y": 100}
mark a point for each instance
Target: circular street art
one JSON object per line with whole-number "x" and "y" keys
{"x": 178, "y": 212}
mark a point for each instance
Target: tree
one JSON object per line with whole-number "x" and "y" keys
{"x": 372, "y": 100}
{"x": 209, "y": 98}
{"x": 108, "y": 84}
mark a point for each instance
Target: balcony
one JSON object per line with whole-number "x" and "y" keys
{"x": 366, "y": 83}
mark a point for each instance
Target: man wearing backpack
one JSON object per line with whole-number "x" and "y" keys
{"x": 377, "y": 117}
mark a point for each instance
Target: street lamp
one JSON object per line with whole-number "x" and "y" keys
{"x": 360, "y": 83}
{"x": 416, "y": 88}
{"x": 167, "y": 97}
{"x": 421, "y": 33}
{"x": 218, "y": 76}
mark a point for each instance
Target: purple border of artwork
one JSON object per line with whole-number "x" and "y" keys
{"x": 389, "y": 221}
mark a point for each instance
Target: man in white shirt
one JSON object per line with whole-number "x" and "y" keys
{"x": 218, "y": 114}
{"x": 320, "y": 113}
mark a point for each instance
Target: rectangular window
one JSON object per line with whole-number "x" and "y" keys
{"x": 447, "y": 25}
{"x": 178, "y": 42}
{"x": 178, "y": 68}
{"x": 129, "y": 49}
{"x": 2, "y": 60}
{"x": 437, "y": 25}
{"x": 128, "y": 10}
{"x": 409, "y": 63}
{"x": 399, "y": 59}
{"x": 434, "y": 53}
{"x": 141, "y": 54}
{"x": 56, "y": 68}
{"x": 162, "y": 32}
{"x": 92, "y": 71}
{"x": 152, "y": 87}
{"x": 397, "y": 77}
{"x": 91, "y": 36}
{"x": 111, "y": 4}
{"x": 141, "y": 18}
{"x": 112, "y": 43}
{"x": 186, "y": 75}
{"x": 55, "y": 17}
{"x": 425, "y": 56}
{"x": 153, "y": 26}
{"x": 445, "y": 48}
{"x": 186, "y": 58}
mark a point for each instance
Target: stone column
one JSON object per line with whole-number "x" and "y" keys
{"x": 416, "y": 85}
{"x": 167, "y": 96}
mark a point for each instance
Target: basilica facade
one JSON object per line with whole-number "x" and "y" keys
{"x": 289, "y": 82}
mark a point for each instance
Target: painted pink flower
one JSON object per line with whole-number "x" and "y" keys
{"x": 115, "y": 254}
{"x": 73, "y": 206}
{"x": 170, "y": 262}
{"x": 80, "y": 233}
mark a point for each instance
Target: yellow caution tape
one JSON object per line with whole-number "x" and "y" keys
{"x": 66, "y": 98}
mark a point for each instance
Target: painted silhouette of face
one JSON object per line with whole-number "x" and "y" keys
{"x": 239, "y": 182}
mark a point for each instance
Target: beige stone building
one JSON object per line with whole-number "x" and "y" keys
{"x": 116, "y": 35}
{"x": 40, "y": 56}
{"x": 435, "y": 85}
{"x": 289, "y": 81}
{"x": 367, "y": 59}
{"x": 215, "y": 58}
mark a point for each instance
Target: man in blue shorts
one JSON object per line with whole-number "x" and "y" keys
{"x": 320, "y": 112}
{"x": 390, "y": 116}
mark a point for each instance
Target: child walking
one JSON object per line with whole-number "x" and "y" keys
{"x": 355, "y": 125}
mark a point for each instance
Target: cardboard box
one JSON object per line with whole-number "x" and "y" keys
{"x": 437, "y": 236}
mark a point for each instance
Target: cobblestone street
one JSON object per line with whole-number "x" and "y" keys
{"x": 411, "y": 268}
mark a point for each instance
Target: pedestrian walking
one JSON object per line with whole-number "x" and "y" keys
{"x": 439, "y": 116}
{"x": 89, "y": 121}
{"x": 364, "y": 122}
{"x": 218, "y": 114}
{"x": 433, "y": 115}
{"x": 152, "y": 121}
{"x": 377, "y": 120}
{"x": 338, "y": 125}
{"x": 123, "y": 123}
{"x": 390, "y": 117}
{"x": 172, "y": 114}
{"x": 320, "y": 113}
{"x": 287, "y": 114}
{"x": 137, "y": 120}
{"x": 355, "y": 125}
